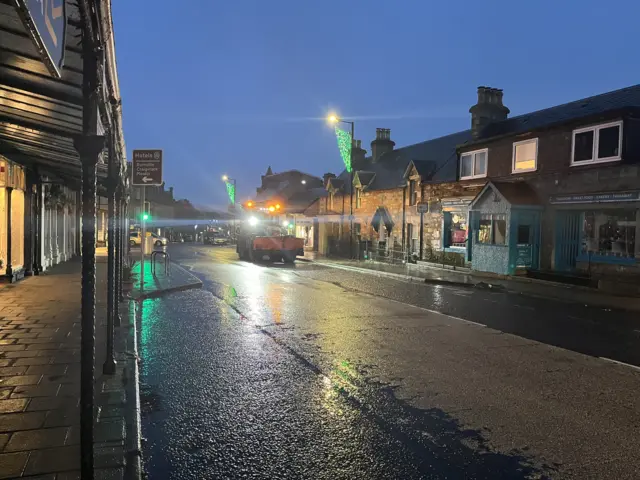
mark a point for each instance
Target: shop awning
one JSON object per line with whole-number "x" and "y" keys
{"x": 40, "y": 114}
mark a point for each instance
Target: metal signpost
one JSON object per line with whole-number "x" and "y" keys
{"x": 147, "y": 170}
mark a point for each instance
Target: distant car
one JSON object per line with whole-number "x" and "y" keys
{"x": 215, "y": 239}
{"x": 135, "y": 239}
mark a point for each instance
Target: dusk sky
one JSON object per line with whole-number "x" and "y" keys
{"x": 233, "y": 87}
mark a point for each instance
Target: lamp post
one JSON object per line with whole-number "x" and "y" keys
{"x": 232, "y": 198}
{"x": 334, "y": 119}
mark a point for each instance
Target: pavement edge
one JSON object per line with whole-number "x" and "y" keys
{"x": 133, "y": 445}
{"x": 194, "y": 283}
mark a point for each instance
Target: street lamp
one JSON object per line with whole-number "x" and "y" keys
{"x": 334, "y": 119}
{"x": 231, "y": 192}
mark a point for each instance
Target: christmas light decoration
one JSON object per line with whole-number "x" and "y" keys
{"x": 344, "y": 145}
{"x": 231, "y": 191}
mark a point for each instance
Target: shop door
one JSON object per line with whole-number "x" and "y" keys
{"x": 568, "y": 227}
{"x": 527, "y": 239}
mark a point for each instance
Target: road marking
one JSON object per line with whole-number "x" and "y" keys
{"x": 434, "y": 311}
{"x": 635, "y": 367}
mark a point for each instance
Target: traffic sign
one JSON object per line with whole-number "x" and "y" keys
{"x": 147, "y": 167}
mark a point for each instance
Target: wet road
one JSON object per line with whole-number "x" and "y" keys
{"x": 311, "y": 372}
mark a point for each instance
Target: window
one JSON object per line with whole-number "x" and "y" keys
{"x": 525, "y": 155}
{"x": 602, "y": 143}
{"x": 473, "y": 164}
{"x": 413, "y": 192}
{"x": 330, "y": 201}
{"x": 455, "y": 226}
{"x": 493, "y": 229}
{"x": 358, "y": 197}
{"x": 524, "y": 234}
{"x": 610, "y": 233}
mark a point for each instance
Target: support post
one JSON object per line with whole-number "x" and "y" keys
{"x": 421, "y": 233}
{"x": 37, "y": 251}
{"x": 89, "y": 146}
{"x": 143, "y": 242}
{"x": 29, "y": 209}
{"x": 109, "y": 366}
{"x": 9, "y": 269}
{"x": 117, "y": 320}
{"x": 78, "y": 221}
{"x": 353, "y": 126}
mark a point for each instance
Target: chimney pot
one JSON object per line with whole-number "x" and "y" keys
{"x": 488, "y": 109}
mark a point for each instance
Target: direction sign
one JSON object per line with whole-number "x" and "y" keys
{"x": 147, "y": 167}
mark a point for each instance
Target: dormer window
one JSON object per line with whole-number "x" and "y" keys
{"x": 473, "y": 164}
{"x": 358, "y": 197}
{"x": 599, "y": 143}
{"x": 413, "y": 192}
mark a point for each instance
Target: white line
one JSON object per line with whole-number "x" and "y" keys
{"x": 429, "y": 310}
{"x": 635, "y": 367}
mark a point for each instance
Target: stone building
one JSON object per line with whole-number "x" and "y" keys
{"x": 563, "y": 191}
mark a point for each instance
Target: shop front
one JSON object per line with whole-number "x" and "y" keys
{"x": 597, "y": 232}
{"x": 455, "y": 226}
{"x": 505, "y": 229}
{"x": 12, "y": 217}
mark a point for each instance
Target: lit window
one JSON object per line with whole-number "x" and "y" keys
{"x": 493, "y": 229}
{"x": 358, "y": 198}
{"x": 525, "y": 156}
{"x": 473, "y": 164}
{"x": 601, "y": 143}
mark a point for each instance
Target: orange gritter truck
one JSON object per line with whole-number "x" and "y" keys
{"x": 260, "y": 239}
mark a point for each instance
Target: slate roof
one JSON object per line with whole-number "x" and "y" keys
{"x": 365, "y": 177}
{"x": 299, "y": 201}
{"x": 438, "y": 155}
{"x": 516, "y": 193}
{"x": 586, "y": 107}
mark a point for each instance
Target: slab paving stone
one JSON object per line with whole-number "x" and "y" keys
{"x": 12, "y": 464}
{"x": 13, "y": 405}
{"x": 37, "y": 439}
{"x": 12, "y": 422}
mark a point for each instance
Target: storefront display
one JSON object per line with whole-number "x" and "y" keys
{"x": 610, "y": 233}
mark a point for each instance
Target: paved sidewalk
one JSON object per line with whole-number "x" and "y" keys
{"x": 524, "y": 286}
{"x": 40, "y": 380}
{"x": 175, "y": 279}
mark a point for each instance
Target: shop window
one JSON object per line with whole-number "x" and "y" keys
{"x": 473, "y": 164}
{"x": 492, "y": 229}
{"x": 525, "y": 156}
{"x": 455, "y": 230}
{"x": 601, "y": 143}
{"x": 610, "y": 233}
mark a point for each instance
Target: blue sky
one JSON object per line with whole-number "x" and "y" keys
{"x": 233, "y": 87}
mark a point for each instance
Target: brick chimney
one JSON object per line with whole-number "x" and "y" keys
{"x": 382, "y": 144}
{"x": 489, "y": 109}
{"x": 326, "y": 177}
{"x": 359, "y": 155}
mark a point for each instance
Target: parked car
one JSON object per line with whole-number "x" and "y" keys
{"x": 215, "y": 238}
{"x": 135, "y": 239}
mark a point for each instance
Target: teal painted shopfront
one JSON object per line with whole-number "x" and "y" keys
{"x": 505, "y": 229}
{"x": 596, "y": 230}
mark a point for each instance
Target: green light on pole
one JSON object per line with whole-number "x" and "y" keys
{"x": 231, "y": 192}
{"x": 344, "y": 145}
{"x": 145, "y": 216}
